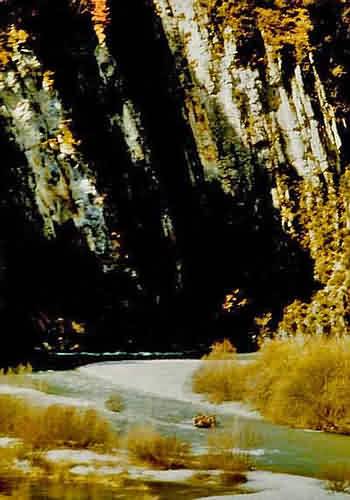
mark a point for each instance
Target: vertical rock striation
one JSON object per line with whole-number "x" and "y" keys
{"x": 189, "y": 161}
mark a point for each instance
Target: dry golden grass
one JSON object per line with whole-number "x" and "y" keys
{"x": 114, "y": 403}
{"x": 147, "y": 446}
{"x": 20, "y": 376}
{"x": 275, "y": 358}
{"x": 221, "y": 351}
{"x": 22, "y": 492}
{"x": 219, "y": 381}
{"x": 56, "y": 425}
{"x": 219, "y": 376}
{"x": 224, "y": 478}
{"x": 304, "y": 382}
{"x": 78, "y": 489}
{"x": 9, "y": 455}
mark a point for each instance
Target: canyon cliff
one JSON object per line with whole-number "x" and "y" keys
{"x": 174, "y": 171}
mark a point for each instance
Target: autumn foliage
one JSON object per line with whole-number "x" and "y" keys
{"x": 100, "y": 14}
{"x": 301, "y": 381}
{"x": 281, "y": 23}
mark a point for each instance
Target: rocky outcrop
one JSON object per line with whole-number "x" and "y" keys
{"x": 243, "y": 115}
{"x": 34, "y": 117}
{"x": 174, "y": 171}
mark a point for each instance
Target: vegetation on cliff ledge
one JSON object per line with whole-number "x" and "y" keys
{"x": 319, "y": 220}
{"x": 281, "y": 23}
{"x": 99, "y": 11}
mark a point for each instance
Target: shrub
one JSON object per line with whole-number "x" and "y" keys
{"x": 219, "y": 376}
{"x": 56, "y": 425}
{"x": 146, "y": 445}
{"x": 303, "y": 382}
{"x": 114, "y": 403}
{"x": 319, "y": 221}
{"x": 219, "y": 381}
{"x": 8, "y": 457}
{"x": 20, "y": 376}
{"x": 223, "y": 350}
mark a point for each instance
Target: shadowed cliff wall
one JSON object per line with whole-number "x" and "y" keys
{"x": 153, "y": 163}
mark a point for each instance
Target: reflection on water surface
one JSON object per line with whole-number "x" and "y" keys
{"x": 20, "y": 489}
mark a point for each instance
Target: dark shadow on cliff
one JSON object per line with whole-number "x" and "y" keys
{"x": 331, "y": 39}
{"x": 223, "y": 244}
{"x": 219, "y": 244}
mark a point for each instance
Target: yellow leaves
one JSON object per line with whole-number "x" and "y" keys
{"x": 230, "y": 300}
{"x": 147, "y": 446}
{"x": 321, "y": 224}
{"x": 283, "y": 23}
{"x": 64, "y": 141}
{"x": 16, "y": 36}
{"x": 4, "y": 57}
{"x": 78, "y": 327}
{"x": 302, "y": 381}
{"x": 338, "y": 71}
{"x": 285, "y": 26}
{"x": 264, "y": 324}
{"x": 233, "y": 299}
{"x": 10, "y": 40}
{"x": 99, "y": 11}
{"x": 48, "y": 80}
{"x": 55, "y": 425}
{"x": 67, "y": 137}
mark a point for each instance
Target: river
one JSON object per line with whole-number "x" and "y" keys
{"x": 158, "y": 392}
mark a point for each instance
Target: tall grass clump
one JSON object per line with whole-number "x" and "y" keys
{"x": 20, "y": 376}
{"x": 56, "y": 425}
{"x": 9, "y": 456}
{"x": 114, "y": 403}
{"x": 219, "y": 377}
{"x": 146, "y": 445}
{"x": 303, "y": 382}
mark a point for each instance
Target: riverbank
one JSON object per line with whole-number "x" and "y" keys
{"x": 159, "y": 393}
{"x": 169, "y": 379}
{"x": 298, "y": 381}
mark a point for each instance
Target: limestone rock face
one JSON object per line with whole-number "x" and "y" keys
{"x": 167, "y": 177}
{"x": 35, "y": 119}
{"x": 241, "y": 117}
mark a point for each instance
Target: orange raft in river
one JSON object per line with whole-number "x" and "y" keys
{"x": 204, "y": 421}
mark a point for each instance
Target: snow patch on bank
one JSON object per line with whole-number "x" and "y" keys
{"x": 272, "y": 486}
{"x": 9, "y": 442}
{"x": 41, "y": 398}
{"x": 169, "y": 379}
{"x": 80, "y": 457}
